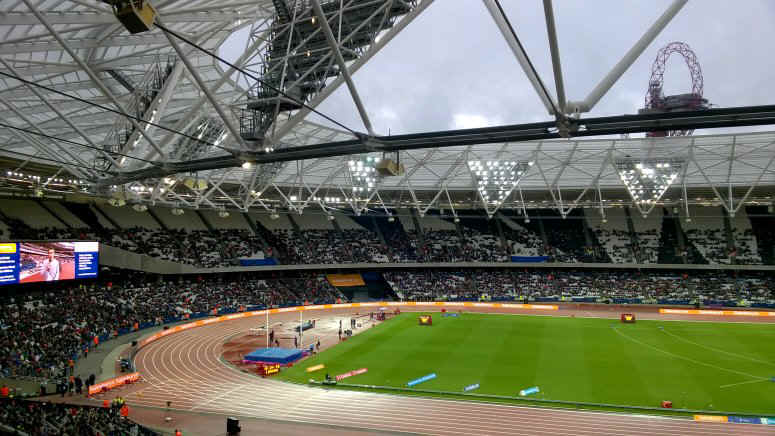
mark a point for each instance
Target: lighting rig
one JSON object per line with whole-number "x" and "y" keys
{"x": 495, "y": 179}
{"x": 363, "y": 176}
{"x": 648, "y": 180}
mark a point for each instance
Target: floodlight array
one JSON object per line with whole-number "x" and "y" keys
{"x": 363, "y": 175}
{"x": 648, "y": 180}
{"x": 496, "y": 179}
{"x": 328, "y": 199}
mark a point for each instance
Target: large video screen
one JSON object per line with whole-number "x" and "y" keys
{"x": 28, "y": 262}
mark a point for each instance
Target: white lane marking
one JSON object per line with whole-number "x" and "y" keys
{"x": 718, "y": 350}
{"x": 688, "y": 359}
{"x": 742, "y": 383}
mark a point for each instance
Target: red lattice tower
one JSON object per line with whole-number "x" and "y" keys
{"x": 656, "y": 101}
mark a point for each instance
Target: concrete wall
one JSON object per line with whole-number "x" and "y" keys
{"x": 433, "y": 223}
{"x": 127, "y": 217}
{"x": 347, "y": 223}
{"x": 233, "y": 221}
{"x": 31, "y": 213}
{"x": 313, "y": 220}
{"x": 280, "y": 223}
{"x": 116, "y": 257}
{"x": 104, "y": 222}
{"x": 188, "y": 221}
{"x": 65, "y": 214}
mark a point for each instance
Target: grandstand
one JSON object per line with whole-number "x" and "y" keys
{"x": 232, "y": 164}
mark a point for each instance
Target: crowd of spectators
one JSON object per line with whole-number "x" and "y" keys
{"x": 599, "y": 285}
{"x": 35, "y": 418}
{"x": 565, "y": 241}
{"x": 745, "y": 250}
{"x": 41, "y": 333}
{"x": 451, "y": 246}
{"x": 712, "y": 244}
{"x": 523, "y": 242}
{"x": 618, "y": 244}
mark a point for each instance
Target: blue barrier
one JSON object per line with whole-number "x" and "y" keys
{"x": 529, "y": 391}
{"x": 258, "y": 262}
{"x": 471, "y": 387}
{"x": 421, "y": 379}
{"x": 744, "y": 419}
{"x": 770, "y": 421}
{"x": 453, "y": 315}
{"x": 520, "y": 259}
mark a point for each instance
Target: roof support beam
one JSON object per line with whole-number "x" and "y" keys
{"x": 192, "y": 71}
{"x": 342, "y": 65}
{"x": 506, "y": 30}
{"x": 629, "y": 58}
{"x": 712, "y": 118}
{"x": 97, "y": 81}
{"x": 354, "y": 67}
{"x": 35, "y": 127}
{"x": 40, "y": 148}
{"x": 554, "y": 49}
{"x": 53, "y": 107}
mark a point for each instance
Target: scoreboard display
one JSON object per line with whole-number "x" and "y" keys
{"x": 29, "y": 262}
{"x": 267, "y": 370}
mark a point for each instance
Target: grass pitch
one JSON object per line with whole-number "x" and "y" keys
{"x": 696, "y": 365}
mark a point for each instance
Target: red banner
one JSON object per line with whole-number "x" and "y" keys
{"x": 351, "y": 373}
{"x": 114, "y": 383}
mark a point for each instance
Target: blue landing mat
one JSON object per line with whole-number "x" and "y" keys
{"x": 274, "y": 355}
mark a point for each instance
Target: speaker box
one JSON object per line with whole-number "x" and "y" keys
{"x": 232, "y": 426}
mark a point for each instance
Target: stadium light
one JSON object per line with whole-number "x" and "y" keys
{"x": 140, "y": 207}
{"x": 116, "y": 201}
{"x": 496, "y": 179}
{"x": 647, "y": 180}
{"x": 223, "y": 213}
{"x": 177, "y": 211}
{"x": 363, "y": 175}
{"x": 195, "y": 184}
{"x": 391, "y": 219}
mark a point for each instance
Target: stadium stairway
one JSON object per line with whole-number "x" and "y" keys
{"x": 84, "y": 213}
{"x": 54, "y": 214}
{"x": 763, "y": 227}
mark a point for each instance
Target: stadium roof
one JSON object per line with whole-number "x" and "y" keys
{"x": 73, "y": 48}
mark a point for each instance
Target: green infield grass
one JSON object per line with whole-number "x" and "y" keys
{"x": 696, "y": 365}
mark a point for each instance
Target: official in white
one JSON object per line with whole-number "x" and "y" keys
{"x": 51, "y": 267}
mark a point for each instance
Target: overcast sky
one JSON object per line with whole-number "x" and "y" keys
{"x": 451, "y": 68}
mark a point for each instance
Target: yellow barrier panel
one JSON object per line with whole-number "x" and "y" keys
{"x": 316, "y": 368}
{"x": 715, "y": 312}
{"x": 345, "y": 280}
{"x": 710, "y": 418}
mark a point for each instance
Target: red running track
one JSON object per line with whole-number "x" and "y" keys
{"x": 186, "y": 368}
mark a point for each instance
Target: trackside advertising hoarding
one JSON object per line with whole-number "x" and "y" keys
{"x": 29, "y": 262}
